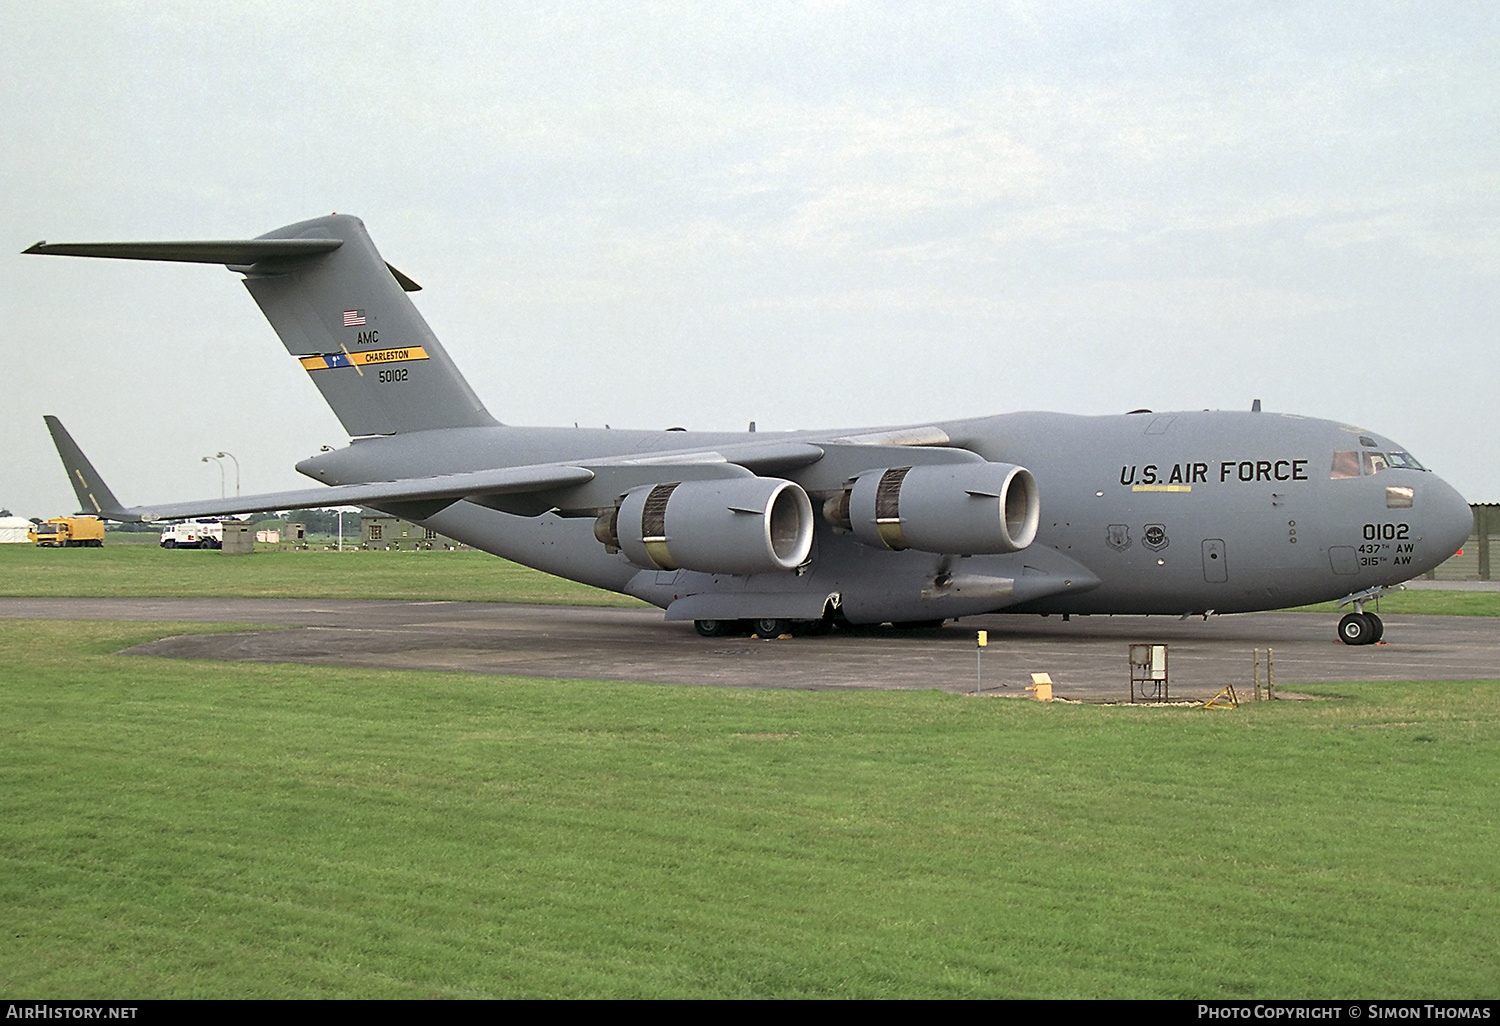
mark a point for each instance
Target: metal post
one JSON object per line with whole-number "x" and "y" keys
{"x": 1484, "y": 523}
{"x": 1270, "y": 675}
{"x": 221, "y": 471}
{"x": 982, "y": 639}
{"x": 231, "y": 455}
{"x": 1256, "y": 651}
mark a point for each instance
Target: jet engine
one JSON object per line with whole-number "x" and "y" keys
{"x": 963, "y": 508}
{"x": 753, "y": 525}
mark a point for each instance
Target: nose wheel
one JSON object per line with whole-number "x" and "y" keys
{"x": 1360, "y": 629}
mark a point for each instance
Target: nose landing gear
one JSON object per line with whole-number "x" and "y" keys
{"x": 1360, "y": 627}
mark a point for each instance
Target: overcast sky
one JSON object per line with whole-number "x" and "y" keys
{"x": 808, "y": 215}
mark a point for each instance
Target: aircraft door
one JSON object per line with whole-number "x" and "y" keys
{"x": 1215, "y": 563}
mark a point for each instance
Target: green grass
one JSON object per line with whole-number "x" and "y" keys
{"x": 148, "y": 571}
{"x": 180, "y": 829}
{"x": 1434, "y": 603}
{"x": 145, "y": 570}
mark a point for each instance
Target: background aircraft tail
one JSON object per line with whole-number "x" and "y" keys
{"x": 343, "y": 312}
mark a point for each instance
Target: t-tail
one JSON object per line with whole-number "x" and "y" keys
{"x": 342, "y": 311}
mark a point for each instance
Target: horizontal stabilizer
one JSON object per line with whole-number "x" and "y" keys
{"x": 240, "y": 252}
{"x": 229, "y": 252}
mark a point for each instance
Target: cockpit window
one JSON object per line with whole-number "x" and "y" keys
{"x": 1345, "y": 464}
{"x": 1357, "y": 463}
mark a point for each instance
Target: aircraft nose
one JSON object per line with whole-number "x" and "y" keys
{"x": 1447, "y": 518}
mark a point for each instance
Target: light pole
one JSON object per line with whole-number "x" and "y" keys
{"x": 222, "y": 455}
{"x": 221, "y": 471}
{"x": 340, "y": 513}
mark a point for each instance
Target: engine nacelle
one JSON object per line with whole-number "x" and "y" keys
{"x": 753, "y": 525}
{"x": 954, "y": 508}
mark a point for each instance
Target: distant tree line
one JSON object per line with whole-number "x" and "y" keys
{"x": 317, "y": 521}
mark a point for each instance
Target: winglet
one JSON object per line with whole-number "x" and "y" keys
{"x": 94, "y": 495}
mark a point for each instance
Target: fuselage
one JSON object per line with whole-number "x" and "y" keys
{"x": 1030, "y": 512}
{"x": 1175, "y": 513}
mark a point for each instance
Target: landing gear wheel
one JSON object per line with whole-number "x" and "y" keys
{"x": 1379, "y": 627}
{"x": 713, "y": 628}
{"x": 769, "y": 627}
{"x": 1356, "y": 629}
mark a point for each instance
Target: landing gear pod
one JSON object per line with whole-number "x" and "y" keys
{"x": 754, "y": 525}
{"x": 968, "y": 508}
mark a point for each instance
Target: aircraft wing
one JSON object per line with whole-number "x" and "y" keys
{"x": 578, "y": 489}
{"x": 529, "y": 490}
{"x": 434, "y": 493}
{"x": 821, "y": 467}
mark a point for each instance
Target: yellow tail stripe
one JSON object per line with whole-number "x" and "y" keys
{"x": 356, "y": 359}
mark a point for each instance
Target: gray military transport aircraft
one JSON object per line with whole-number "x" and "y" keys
{"x": 1158, "y": 513}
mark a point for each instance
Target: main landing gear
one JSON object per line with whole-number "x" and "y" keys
{"x": 765, "y": 627}
{"x": 773, "y": 627}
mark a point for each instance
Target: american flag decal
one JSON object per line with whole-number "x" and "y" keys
{"x": 353, "y": 318}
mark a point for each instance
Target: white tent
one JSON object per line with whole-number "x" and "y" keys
{"x": 13, "y": 529}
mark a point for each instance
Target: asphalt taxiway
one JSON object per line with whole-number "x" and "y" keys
{"x": 1087, "y": 657}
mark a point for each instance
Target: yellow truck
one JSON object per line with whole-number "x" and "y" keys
{"x": 68, "y": 532}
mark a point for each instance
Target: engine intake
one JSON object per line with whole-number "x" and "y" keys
{"x": 965, "y": 508}
{"x": 751, "y": 525}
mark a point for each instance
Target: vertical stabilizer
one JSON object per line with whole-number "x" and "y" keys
{"x": 345, "y": 315}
